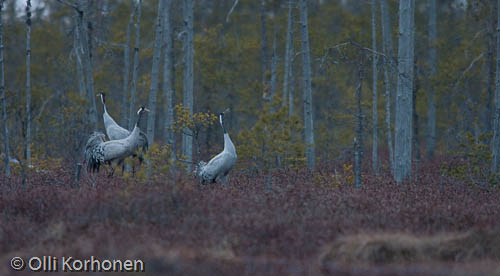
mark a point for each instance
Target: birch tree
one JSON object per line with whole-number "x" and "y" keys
{"x": 358, "y": 140}
{"x": 274, "y": 65}
{"x": 496, "y": 131}
{"x": 264, "y": 54}
{"x": 79, "y": 59}
{"x": 135, "y": 72}
{"x": 126, "y": 68}
{"x": 85, "y": 41}
{"x": 168, "y": 76}
{"x": 288, "y": 72}
{"x": 431, "y": 94}
{"x": 187, "y": 136}
{"x": 153, "y": 89}
{"x": 403, "y": 147}
{"x": 374, "y": 89}
{"x": 2, "y": 95}
{"x": 388, "y": 50}
{"x": 306, "y": 69}
{"x": 28, "y": 83}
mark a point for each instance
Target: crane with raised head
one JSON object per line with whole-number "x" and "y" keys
{"x": 219, "y": 166}
{"x": 115, "y": 131}
{"x": 99, "y": 152}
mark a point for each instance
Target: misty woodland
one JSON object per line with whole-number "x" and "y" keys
{"x": 252, "y": 137}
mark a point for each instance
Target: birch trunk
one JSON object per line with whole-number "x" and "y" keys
{"x": 28, "y": 83}
{"x": 126, "y": 69}
{"x": 431, "y": 95}
{"x": 168, "y": 76}
{"x": 274, "y": 65}
{"x": 306, "y": 68}
{"x": 153, "y": 89}
{"x": 358, "y": 141}
{"x": 374, "y": 89}
{"x": 416, "y": 140}
{"x": 496, "y": 132}
{"x": 387, "y": 48}
{"x": 264, "y": 54}
{"x": 404, "y": 106}
{"x": 79, "y": 63}
{"x": 132, "y": 107}
{"x": 85, "y": 44}
{"x": 490, "y": 64}
{"x": 287, "y": 76}
{"x": 2, "y": 96}
{"x": 187, "y": 137}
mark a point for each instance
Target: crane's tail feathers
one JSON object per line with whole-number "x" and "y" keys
{"x": 94, "y": 155}
{"x": 199, "y": 172}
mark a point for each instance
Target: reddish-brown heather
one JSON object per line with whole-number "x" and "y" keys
{"x": 304, "y": 224}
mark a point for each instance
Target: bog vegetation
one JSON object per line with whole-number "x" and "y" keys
{"x": 312, "y": 88}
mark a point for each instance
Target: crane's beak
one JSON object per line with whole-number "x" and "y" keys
{"x": 226, "y": 111}
{"x": 145, "y": 109}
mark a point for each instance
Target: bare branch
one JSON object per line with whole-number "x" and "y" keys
{"x": 71, "y": 5}
{"x": 42, "y": 108}
{"x": 111, "y": 44}
{"x": 231, "y": 10}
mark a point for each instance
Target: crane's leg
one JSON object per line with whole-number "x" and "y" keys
{"x": 112, "y": 171}
{"x": 121, "y": 162}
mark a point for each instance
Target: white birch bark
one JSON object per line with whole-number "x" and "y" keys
{"x": 135, "y": 72}
{"x": 85, "y": 44}
{"x": 28, "y": 83}
{"x": 153, "y": 89}
{"x": 264, "y": 54}
{"x": 374, "y": 89}
{"x": 288, "y": 72}
{"x": 126, "y": 69}
{"x": 168, "y": 76}
{"x": 403, "y": 147}
{"x": 496, "y": 131}
{"x": 306, "y": 68}
{"x": 2, "y": 97}
{"x": 274, "y": 65}
{"x": 387, "y": 48}
{"x": 431, "y": 95}
{"x": 187, "y": 137}
{"x": 79, "y": 59}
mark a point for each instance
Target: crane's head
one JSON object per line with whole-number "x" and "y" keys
{"x": 103, "y": 97}
{"x": 142, "y": 109}
{"x": 221, "y": 119}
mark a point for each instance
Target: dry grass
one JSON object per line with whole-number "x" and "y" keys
{"x": 386, "y": 248}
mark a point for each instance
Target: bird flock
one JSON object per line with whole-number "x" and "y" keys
{"x": 124, "y": 143}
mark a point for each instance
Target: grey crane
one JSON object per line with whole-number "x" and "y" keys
{"x": 99, "y": 152}
{"x": 115, "y": 131}
{"x": 219, "y": 166}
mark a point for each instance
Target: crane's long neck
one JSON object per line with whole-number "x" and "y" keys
{"x": 135, "y": 132}
{"x": 104, "y": 103}
{"x": 228, "y": 144}
{"x": 221, "y": 120}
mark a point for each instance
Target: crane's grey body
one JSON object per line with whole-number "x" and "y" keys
{"x": 219, "y": 166}
{"x": 99, "y": 152}
{"x": 116, "y": 132}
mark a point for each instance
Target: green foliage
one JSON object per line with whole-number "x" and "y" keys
{"x": 157, "y": 156}
{"x": 474, "y": 161}
{"x": 273, "y": 136}
{"x": 336, "y": 179}
{"x": 195, "y": 122}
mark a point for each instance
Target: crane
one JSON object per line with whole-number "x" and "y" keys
{"x": 99, "y": 152}
{"x": 219, "y": 166}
